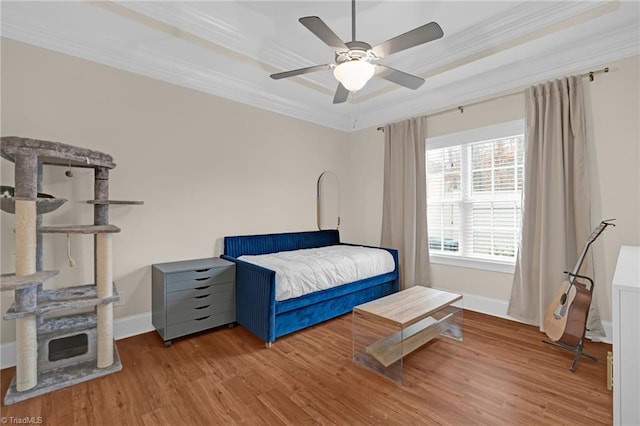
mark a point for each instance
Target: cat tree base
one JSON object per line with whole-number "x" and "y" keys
{"x": 63, "y": 377}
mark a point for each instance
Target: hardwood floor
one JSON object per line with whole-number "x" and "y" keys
{"x": 501, "y": 374}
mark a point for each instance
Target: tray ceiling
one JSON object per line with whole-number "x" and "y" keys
{"x": 229, "y": 48}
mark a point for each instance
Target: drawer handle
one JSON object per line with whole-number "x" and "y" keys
{"x": 203, "y": 270}
{"x": 203, "y": 307}
{"x": 202, "y": 297}
{"x": 202, "y": 279}
{"x": 203, "y": 287}
{"x": 203, "y": 318}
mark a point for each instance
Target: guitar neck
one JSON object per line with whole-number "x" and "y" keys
{"x": 594, "y": 235}
{"x": 576, "y": 268}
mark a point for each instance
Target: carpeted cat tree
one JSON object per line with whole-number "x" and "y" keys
{"x": 63, "y": 336}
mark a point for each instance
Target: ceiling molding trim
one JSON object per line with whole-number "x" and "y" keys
{"x": 176, "y": 72}
{"x": 222, "y": 30}
{"x": 108, "y": 50}
{"x": 494, "y": 83}
{"x": 507, "y": 31}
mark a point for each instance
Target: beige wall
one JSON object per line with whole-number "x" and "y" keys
{"x": 614, "y": 102}
{"x": 612, "y": 111}
{"x": 205, "y": 167}
{"x": 363, "y": 191}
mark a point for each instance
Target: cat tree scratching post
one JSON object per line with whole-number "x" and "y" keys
{"x": 64, "y": 336}
{"x": 26, "y": 168}
{"x": 104, "y": 276}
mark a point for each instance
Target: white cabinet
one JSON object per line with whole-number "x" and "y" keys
{"x": 626, "y": 337}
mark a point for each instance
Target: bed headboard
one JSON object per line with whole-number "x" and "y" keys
{"x": 235, "y": 246}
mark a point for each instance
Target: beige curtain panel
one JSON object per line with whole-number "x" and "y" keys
{"x": 404, "y": 209}
{"x": 555, "y": 216}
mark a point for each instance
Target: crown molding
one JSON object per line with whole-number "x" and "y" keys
{"x": 226, "y": 29}
{"x": 619, "y": 44}
{"x": 236, "y": 70}
{"x": 511, "y": 28}
{"x": 107, "y": 50}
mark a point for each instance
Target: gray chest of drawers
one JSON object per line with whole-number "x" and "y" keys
{"x": 191, "y": 296}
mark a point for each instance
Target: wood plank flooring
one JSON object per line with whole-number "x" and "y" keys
{"x": 501, "y": 374}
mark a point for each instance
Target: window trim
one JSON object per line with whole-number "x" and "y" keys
{"x": 473, "y": 263}
{"x": 495, "y": 131}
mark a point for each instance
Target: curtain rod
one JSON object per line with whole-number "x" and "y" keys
{"x": 589, "y": 74}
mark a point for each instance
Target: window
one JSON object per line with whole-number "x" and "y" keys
{"x": 474, "y": 193}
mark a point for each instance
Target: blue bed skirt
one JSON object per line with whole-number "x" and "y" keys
{"x": 256, "y": 307}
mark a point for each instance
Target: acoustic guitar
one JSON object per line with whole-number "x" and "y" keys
{"x": 566, "y": 317}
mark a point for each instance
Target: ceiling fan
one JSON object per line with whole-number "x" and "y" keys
{"x": 354, "y": 67}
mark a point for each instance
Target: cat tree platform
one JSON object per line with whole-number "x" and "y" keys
{"x": 16, "y": 282}
{"x": 63, "y": 299}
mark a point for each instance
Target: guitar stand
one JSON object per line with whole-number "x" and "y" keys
{"x": 578, "y": 348}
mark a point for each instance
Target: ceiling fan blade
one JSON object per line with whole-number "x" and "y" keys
{"x": 415, "y": 37}
{"x": 402, "y": 78}
{"x": 323, "y": 32}
{"x": 341, "y": 94}
{"x": 300, "y": 71}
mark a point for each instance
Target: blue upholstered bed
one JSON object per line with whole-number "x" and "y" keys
{"x": 256, "y": 306}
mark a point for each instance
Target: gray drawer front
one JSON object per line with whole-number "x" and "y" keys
{"x": 201, "y": 290}
{"x": 190, "y": 309}
{"x": 195, "y": 283}
{"x": 205, "y": 322}
{"x": 216, "y": 275}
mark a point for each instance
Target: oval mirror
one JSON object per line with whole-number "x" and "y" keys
{"x": 328, "y": 201}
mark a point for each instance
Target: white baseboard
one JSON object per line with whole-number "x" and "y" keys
{"x": 8, "y": 355}
{"x": 132, "y": 325}
{"x": 607, "y": 326}
{"x": 122, "y": 328}
{"x": 498, "y": 308}
{"x": 485, "y": 305}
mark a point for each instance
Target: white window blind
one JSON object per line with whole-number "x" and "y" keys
{"x": 474, "y": 192}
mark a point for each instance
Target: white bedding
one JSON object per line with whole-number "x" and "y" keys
{"x": 300, "y": 272}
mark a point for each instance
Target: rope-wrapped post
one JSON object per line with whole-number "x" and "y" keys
{"x": 103, "y": 269}
{"x": 104, "y": 279}
{"x": 26, "y": 170}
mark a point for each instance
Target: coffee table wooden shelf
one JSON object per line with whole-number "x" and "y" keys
{"x": 387, "y": 329}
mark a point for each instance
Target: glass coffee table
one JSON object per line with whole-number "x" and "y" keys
{"x": 387, "y": 329}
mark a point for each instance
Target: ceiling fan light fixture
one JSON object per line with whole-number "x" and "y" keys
{"x": 354, "y": 74}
